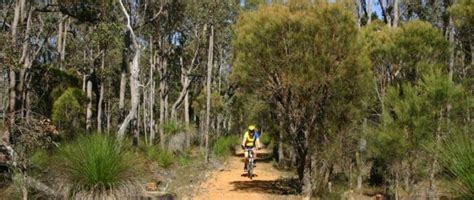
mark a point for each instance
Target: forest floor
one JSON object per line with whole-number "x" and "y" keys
{"x": 230, "y": 182}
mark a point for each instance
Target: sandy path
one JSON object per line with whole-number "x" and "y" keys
{"x": 231, "y": 183}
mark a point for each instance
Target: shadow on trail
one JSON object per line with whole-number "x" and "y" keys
{"x": 278, "y": 187}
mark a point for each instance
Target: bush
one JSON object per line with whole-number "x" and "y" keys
{"x": 98, "y": 167}
{"x": 225, "y": 145}
{"x": 457, "y": 156}
{"x": 68, "y": 112}
{"x": 265, "y": 139}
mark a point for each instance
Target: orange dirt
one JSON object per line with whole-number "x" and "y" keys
{"x": 232, "y": 183}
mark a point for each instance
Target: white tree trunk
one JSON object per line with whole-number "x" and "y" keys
{"x": 208, "y": 92}
{"x": 101, "y": 97}
{"x": 185, "y": 82}
{"x": 16, "y": 19}
{"x": 451, "y": 49}
{"x": 369, "y": 11}
{"x": 396, "y": 13}
{"x": 134, "y": 81}
{"x": 89, "y": 106}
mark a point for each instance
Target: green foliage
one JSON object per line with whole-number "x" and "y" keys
{"x": 265, "y": 139}
{"x": 410, "y": 50}
{"x": 173, "y": 128}
{"x": 98, "y": 166}
{"x": 40, "y": 159}
{"x": 68, "y": 112}
{"x": 456, "y": 154}
{"x": 50, "y": 84}
{"x": 463, "y": 12}
{"x": 225, "y": 145}
{"x": 165, "y": 159}
{"x": 185, "y": 159}
{"x": 412, "y": 119}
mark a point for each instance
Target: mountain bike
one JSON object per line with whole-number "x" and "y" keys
{"x": 250, "y": 162}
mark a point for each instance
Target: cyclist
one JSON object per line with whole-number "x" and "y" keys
{"x": 251, "y": 141}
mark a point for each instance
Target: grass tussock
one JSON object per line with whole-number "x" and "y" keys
{"x": 457, "y": 156}
{"x": 98, "y": 167}
{"x": 163, "y": 158}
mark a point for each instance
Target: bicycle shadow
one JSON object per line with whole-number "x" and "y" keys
{"x": 278, "y": 187}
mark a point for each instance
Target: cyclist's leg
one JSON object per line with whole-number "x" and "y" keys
{"x": 254, "y": 156}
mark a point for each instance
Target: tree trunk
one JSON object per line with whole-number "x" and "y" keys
{"x": 108, "y": 116}
{"x": 15, "y": 77}
{"x": 386, "y": 14}
{"x": 9, "y": 119}
{"x": 185, "y": 82}
{"x": 451, "y": 49}
{"x": 307, "y": 189}
{"x": 281, "y": 154}
{"x": 208, "y": 92}
{"x": 123, "y": 76}
{"x": 101, "y": 97}
{"x": 396, "y": 13}
{"x": 163, "y": 69}
{"x": 134, "y": 81}
{"x": 396, "y": 186}
{"x": 369, "y": 11}
{"x": 151, "y": 95}
{"x": 186, "y": 109}
{"x": 16, "y": 19}
{"x": 89, "y": 105}
{"x": 358, "y": 13}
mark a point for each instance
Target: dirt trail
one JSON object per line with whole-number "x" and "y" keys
{"x": 231, "y": 183}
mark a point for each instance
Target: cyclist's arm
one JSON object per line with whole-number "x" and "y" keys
{"x": 243, "y": 142}
{"x": 257, "y": 143}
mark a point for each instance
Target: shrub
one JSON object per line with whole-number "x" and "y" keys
{"x": 98, "y": 167}
{"x": 457, "y": 156}
{"x": 265, "y": 139}
{"x": 68, "y": 111}
{"x": 225, "y": 145}
{"x": 165, "y": 159}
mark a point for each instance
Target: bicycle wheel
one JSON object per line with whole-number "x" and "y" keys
{"x": 250, "y": 169}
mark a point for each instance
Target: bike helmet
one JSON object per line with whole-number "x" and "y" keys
{"x": 252, "y": 128}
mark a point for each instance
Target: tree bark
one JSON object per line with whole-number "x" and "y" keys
{"x": 369, "y": 11}
{"x": 208, "y": 91}
{"x": 134, "y": 74}
{"x": 185, "y": 82}
{"x": 101, "y": 97}
{"x": 16, "y": 18}
{"x": 89, "y": 105}
{"x": 123, "y": 76}
{"x": 163, "y": 71}
{"x": 386, "y": 14}
{"x": 358, "y": 13}
{"x": 451, "y": 49}
{"x": 396, "y": 14}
